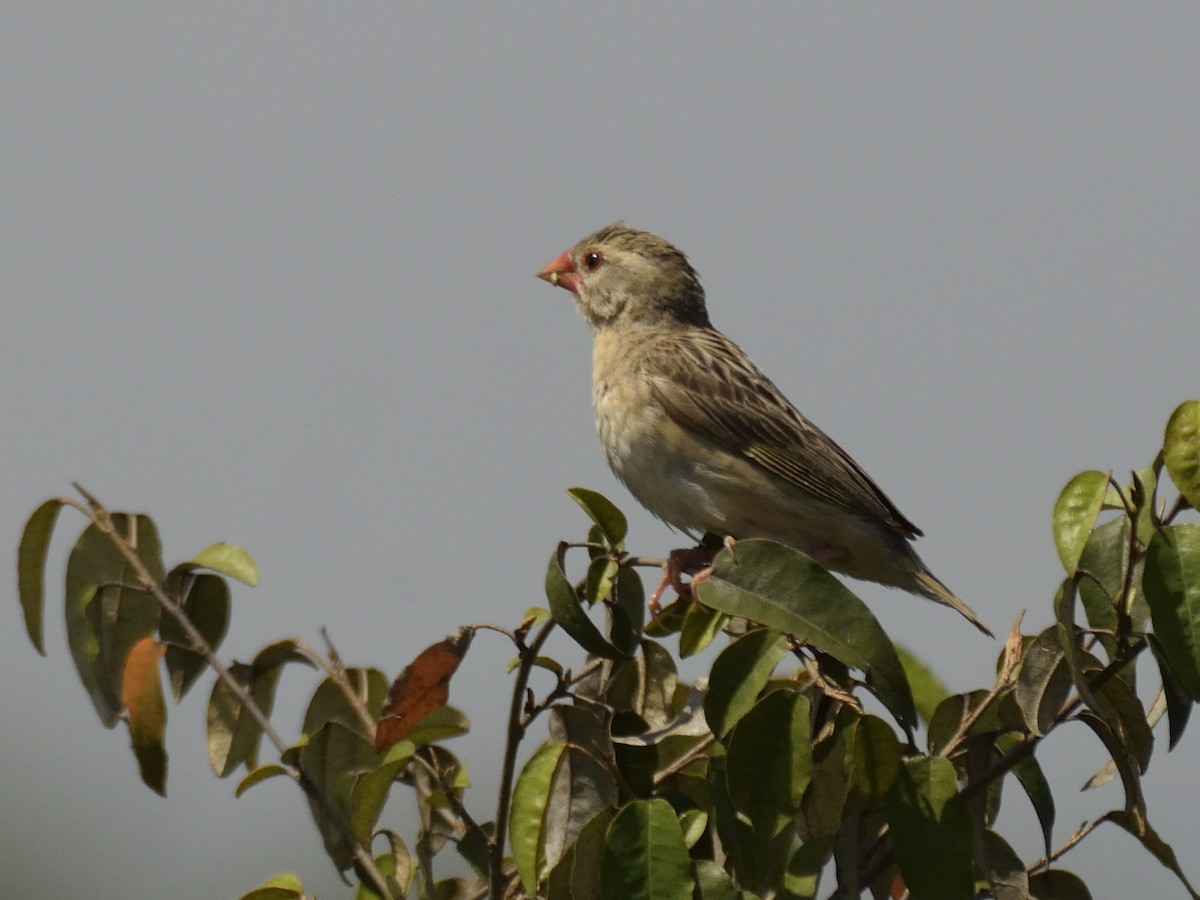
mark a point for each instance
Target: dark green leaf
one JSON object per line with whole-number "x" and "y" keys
{"x": 1181, "y": 450}
{"x": 1044, "y": 681}
{"x": 645, "y": 857}
{"x": 1003, "y": 868}
{"x": 1120, "y": 755}
{"x": 1037, "y": 788}
{"x": 784, "y": 589}
{"x": 31, "y": 568}
{"x": 1134, "y": 821}
{"x": 330, "y": 704}
{"x": 95, "y": 566}
{"x": 1057, "y": 884}
{"x": 1179, "y": 704}
{"x": 1075, "y": 514}
{"x": 629, "y": 603}
{"x": 770, "y": 761}
{"x": 877, "y": 757}
{"x": 954, "y": 712}
{"x": 577, "y": 875}
{"x": 395, "y": 866}
{"x": 1120, "y": 707}
{"x": 1172, "y": 584}
{"x": 330, "y": 760}
{"x": 610, "y": 520}
{"x": 1105, "y": 560}
{"x": 931, "y": 831}
{"x": 583, "y": 781}
{"x": 570, "y": 614}
{"x": 205, "y": 600}
{"x": 739, "y": 675}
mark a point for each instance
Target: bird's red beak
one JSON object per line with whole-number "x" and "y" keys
{"x": 561, "y": 272}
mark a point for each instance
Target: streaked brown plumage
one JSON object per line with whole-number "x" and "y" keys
{"x": 704, "y": 440}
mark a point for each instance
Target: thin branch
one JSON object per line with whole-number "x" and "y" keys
{"x": 101, "y": 518}
{"x": 1080, "y": 833}
{"x": 516, "y": 731}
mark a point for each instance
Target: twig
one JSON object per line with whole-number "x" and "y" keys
{"x": 516, "y": 730}
{"x": 1080, "y": 833}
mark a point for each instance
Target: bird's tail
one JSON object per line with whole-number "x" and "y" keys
{"x": 935, "y": 590}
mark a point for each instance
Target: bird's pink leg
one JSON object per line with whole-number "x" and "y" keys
{"x": 678, "y": 563}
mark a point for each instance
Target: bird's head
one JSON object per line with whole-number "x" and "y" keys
{"x": 625, "y": 278}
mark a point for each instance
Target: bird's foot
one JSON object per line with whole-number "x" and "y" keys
{"x": 680, "y": 562}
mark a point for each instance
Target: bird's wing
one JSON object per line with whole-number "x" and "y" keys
{"x": 709, "y": 385}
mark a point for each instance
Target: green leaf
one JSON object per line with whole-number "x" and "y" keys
{"x": 1044, "y": 682}
{"x": 98, "y": 574}
{"x": 784, "y": 589}
{"x": 582, "y": 783}
{"x": 931, "y": 831}
{"x": 928, "y": 690}
{"x": 693, "y": 822}
{"x": 1003, "y": 868}
{"x": 330, "y": 704}
{"x": 395, "y": 866}
{"x": 1075, "y": 514}
{"x": 610, "y": 520}
{"x": 1179, "y": 704}
{"x": 877, "y": 757}
{"x": 1031, "y": 778}
{"x": 228, "y": 559}
{"x": 370, "y": 791}
{"x": 1181, "y": 450}
{"x": 205, "y": 601}
{"x": 1120, "y": 707}
{"x": 258, "y": 775}
{"x": 530, "y": 802}
{"x": 439, "y": 724}
{"x": 1134, "y": 821}
{"x": 1106, "y": 559}
{"x": 233, "y": 732}
{"x": 739, "y": 675}
{"x": 577, "y": 875}
{"x": 1134, "y": 800}
{"x": 952, "y": 714}
{"x": 1057, "y": 884}
{"x": 770, "y": 761}
{"x": 330, "y": 760}
{"x": 700, "y": 626}
{"x": 570, "y": 614}
{"x": 645, "y": 857}
{"x": 601, "y": 575}
{"x": 803, "y": 875}
{"x": 713, "y": 883}
{"x": 31, "y": 568}
{"x": 281, "y": 887}
{"x": 1171, "y": 580}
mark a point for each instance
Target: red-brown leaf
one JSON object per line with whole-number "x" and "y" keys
{"x": 424, "y": 685}
{"x": 142, "y": 697}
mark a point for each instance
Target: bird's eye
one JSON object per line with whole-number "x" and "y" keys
{"x": 592, "y": 260}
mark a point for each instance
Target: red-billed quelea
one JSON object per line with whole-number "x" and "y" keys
{"x": 704, "y": 440}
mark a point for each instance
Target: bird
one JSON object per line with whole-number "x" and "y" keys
{"x": 705, "y": 440}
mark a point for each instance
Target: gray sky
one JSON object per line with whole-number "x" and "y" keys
{"x": 268, "y": 275}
